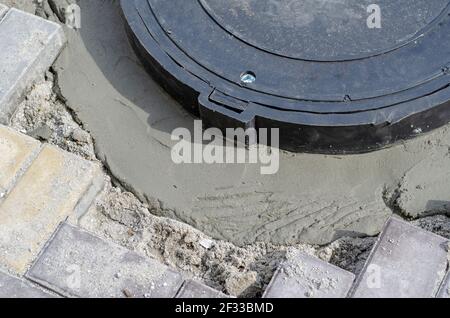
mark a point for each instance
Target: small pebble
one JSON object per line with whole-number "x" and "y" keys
{"x": 208, "y": 244}
{"x": 81, "y": 136}
{"x": 127, "y": 293}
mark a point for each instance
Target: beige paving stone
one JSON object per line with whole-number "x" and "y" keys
{"x": 17, "y": 151}
{"x": 49, "y": 191}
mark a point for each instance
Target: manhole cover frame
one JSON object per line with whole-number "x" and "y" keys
{"x": 346, "y": 124}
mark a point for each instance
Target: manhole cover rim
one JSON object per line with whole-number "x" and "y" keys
{"x": 265, "y": 108}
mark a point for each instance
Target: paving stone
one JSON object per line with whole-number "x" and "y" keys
{"x": 77, "y": 263}
{"x": 17, "y": 151}
{"x": 445, "y": 288}
{"x": 3, "y": 10}
{"x": 51, "y": 189}
{"x": 28, "y": 47}
{"x": 13, "y": 287}
{"x": 304, "y": 276}
{"x": 193, "y": 289}
{"x": 407, "y": 262}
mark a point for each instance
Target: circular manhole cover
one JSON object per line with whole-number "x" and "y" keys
{"x": 339, "y": 76}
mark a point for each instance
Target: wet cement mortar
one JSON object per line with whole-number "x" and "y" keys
{"x": 118, "y": 215}
{"x": 244, "y": 269}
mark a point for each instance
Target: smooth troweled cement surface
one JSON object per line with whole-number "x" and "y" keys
{"x": 313, "y": 198}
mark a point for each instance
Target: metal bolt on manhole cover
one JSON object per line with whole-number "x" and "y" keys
{"x": 248, "y": 78}
{"x": 333, "y": 76}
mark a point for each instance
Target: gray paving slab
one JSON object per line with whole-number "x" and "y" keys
{"x": 305, "y": 276}
{"x": 407, "y": 262}
{"x": 445, "y": 288}
{"x": 28, "y": 47}
{"x": 77, "y": 263}
{"x": 193, "y": 289}
{"x": 13, "y": 287}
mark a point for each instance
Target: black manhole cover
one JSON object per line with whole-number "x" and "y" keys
{"x": 316, "y": 69}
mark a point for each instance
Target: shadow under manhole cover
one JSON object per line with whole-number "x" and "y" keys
{"x": 334, "y": 76}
